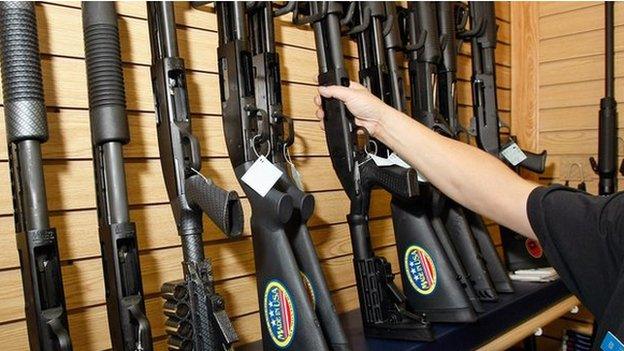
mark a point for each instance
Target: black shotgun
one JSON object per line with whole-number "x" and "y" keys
{"x": 125, "y": 307}
{"x": 605, "y": 167}
{"x": 196, "y": 314}
{"x": 295, "y": 303}
{"x": 451, "y": 17}
{"x": 382, "y": 304}
{"x": 26, "y": 130}
{"x": 519, "y": 252}
{"x": 431, "y": 283}
{"x": 447, "y": 217}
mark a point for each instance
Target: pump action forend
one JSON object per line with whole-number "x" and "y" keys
{"x": 295, "y": 304}
{"x": 605, "y": 167}
{"x": 437, "y": 293}
{"x": 196, "y": 313}
{"x": 382, "y": 304}
{"x": 26, "y": 130}
{"x": 127, "y": 323}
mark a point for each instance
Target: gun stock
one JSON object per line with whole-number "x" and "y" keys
{"x": 254, "y": 124}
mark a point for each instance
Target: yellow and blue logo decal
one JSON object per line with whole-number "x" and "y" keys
{"x": 420, "y": 269}
{"x": 279, "y": 313}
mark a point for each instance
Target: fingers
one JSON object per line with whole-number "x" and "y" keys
{"x": 317, "y": 100}
{"x": 336, "y": 92}
{"x": 320, "y": 114}
{"x": 357, "y": 86}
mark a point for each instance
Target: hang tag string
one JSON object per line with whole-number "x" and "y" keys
{"x": 253, "y": 143}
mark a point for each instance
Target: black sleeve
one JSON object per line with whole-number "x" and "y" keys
{"x": 582, "y": 237}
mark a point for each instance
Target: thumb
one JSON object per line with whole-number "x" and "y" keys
{"x": 335, "y": 91}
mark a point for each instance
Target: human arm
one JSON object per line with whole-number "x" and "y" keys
{"x": 466, "y": 174}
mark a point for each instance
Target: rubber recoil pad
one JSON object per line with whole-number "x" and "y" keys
{"x": 107, "y": 101}
{"x": 304, "y": 202}
{"x": 22, "y": 84}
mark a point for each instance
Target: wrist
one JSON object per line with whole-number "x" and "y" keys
{"x": 387, "y": 119}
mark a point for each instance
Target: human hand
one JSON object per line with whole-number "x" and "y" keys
{"x": 367, "y": 109}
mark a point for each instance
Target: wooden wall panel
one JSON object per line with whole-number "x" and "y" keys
{"x": 69, "y": 181}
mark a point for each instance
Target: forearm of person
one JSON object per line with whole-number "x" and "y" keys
{"x": 466, "y": 174}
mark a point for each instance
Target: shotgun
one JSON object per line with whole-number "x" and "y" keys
{"x": 196, "y": 313}
{"x": 295, "y": 303}
{"x": 439, "y": 293}
{"x": 26, "y": 130}
{"x": 447, "y": 216}
{"x": 382, "y": 304}
{"x": 520, "y": 253}
{"x": 452, "y": 16}
{"x": 125, "y": 306}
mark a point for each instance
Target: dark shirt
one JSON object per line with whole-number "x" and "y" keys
{"x": 583, "y": 238}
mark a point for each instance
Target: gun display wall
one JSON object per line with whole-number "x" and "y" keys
{"x": 76, "y": 201}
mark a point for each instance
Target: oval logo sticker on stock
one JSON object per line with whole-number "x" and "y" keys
{"x": 420, "y": 269}
{"x": 279, "y": 313}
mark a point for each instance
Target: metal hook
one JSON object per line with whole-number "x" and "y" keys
{"x": 580, "y": 167}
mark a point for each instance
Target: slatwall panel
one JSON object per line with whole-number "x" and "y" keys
{"x": 571, "y": 83}
{"x": 71, "y": 197}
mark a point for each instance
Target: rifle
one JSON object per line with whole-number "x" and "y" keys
{"x": 26, "y": 130}
{"x": 285, "y": 258}
{"x": 448, "y": 217}
{"x": 520, "y": 253}
{"x": 382, "y": 304}
{"x": 438, "y": 294}
{"x": 125, "y": 307}
{"x": 607, "y": 122}
{"x": 452, "y": 16}
{"x": 196, "y": 313}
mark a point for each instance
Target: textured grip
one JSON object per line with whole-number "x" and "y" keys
{"x": 396, "y": 180}
{"x": 22, "y": 85}
{"x": 107, "y": 101}
{"x": 223, "y": 207}
{"x": 534, "y": 162}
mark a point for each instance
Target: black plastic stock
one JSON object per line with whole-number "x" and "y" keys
{"x": 285, "y": 258}
{"x": 382, "y": 304}
{"x": 127, "y": 322}
{"x": 423, "y": 22}
{"x": 26, "y": 130}
{"x": 196, "y": 313}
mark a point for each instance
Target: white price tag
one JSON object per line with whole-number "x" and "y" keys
{"x": 513, "y": 154}
{"x": 380, "y": 161}
{"x": 261, "y": 176}
{"x": 395, "y": 159}
{"x": 296, "y": 176}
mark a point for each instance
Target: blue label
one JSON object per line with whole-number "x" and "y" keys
{"x": 611, "y": 343}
